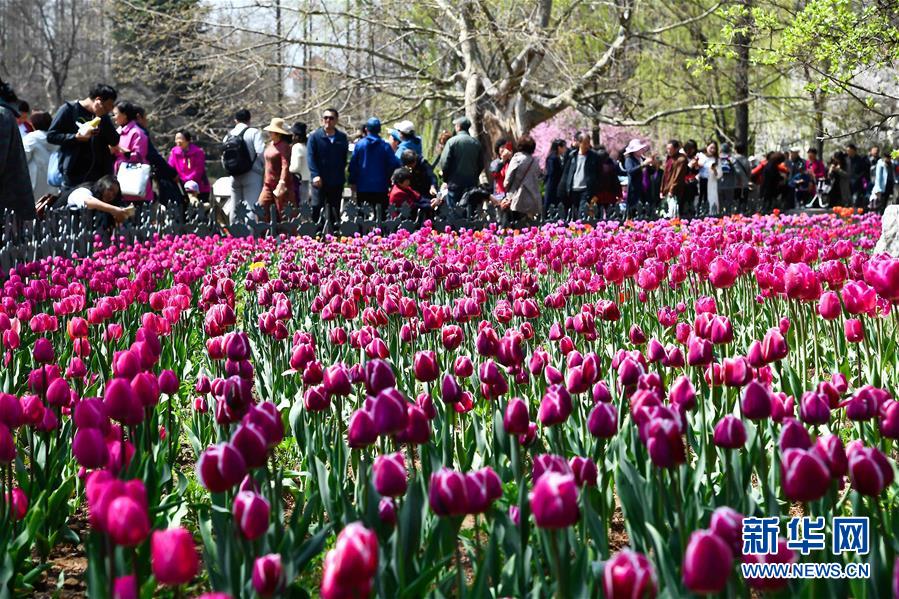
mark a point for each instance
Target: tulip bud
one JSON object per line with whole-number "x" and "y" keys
{"x": 173, "y": 556}
{"x": 43, "y": 351}
{"x": 829, "y": 306}
{"x": 664, "y": 443}
{"x": 221, "y": 467}
{"x": 555, "y": 407}
{"x": 251, "y": 514}
{"x": 603, "y": 421}
{"x": 774, "y": 347}
{"x": 854, "y": 330}
{"x": 869, "y": 470}
{"x": 361, "y": 431}
{"x": 793, "y": 435}
{"x": 463, "y": 367}
{"x": 268, "y": 574}
{"x": 89, "y": 448}
{"x": 447, "y": 493}
{"x": 350, "y": 566}
{"x": 699, "y": 352}
{"x": 628, "y": 575}
{"x": 482, "y": 488}
{"x": 516, "y": 417}
{"x": 814, "y": 408}
{"x": 389, "y": 475}
{"x": 730, "y": 433}
{"x": 127, "y": 521}
{"x": 122, "y": 404}
{"x": 804, "y": 476}
{"x": 59, "y": 393}
{"x": 708, "y": 562}
{"x": 554, "y": 501}
{"x": 584, "y": 470}
{"x": 682, "y": 393}
{"x": 727, "y": 524}
{"x": 425, "y": 366}
{"x": 378, "y": 376}
{"x": 168, "y": 382}
{"x": 250, "y": 440}
{"x": 389, "y": 412}
{"x": 756, "y": 401}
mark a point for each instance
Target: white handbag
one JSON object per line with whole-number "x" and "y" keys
{"x": 133, "y": 179}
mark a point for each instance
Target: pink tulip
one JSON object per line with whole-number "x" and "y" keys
{"x": 389, "y": 474}
{"x": 730, "y": 433}
{"x": 173, "y": 556}
{"x": 707, "y": 564}
{"x": 251, "y": 513}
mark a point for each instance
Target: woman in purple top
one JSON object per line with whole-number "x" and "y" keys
{"x": 133, "y": 145}
{"x": 190, "y": 163}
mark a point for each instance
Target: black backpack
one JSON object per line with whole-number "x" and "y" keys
{"x": 236, "y": 158}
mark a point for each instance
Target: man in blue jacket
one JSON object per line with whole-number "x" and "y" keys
{"x": 371, "y": 166}
{"x": 326, "y": 154}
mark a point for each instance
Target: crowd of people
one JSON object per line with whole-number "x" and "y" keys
{"x": 97, "y": 154}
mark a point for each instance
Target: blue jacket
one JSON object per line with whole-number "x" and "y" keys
{"x": 413, "y": 144}
{"x": 372, "y": 164}
{"x": 326, "y": 158}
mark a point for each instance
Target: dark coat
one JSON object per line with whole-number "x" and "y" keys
{"x": 635, "y": 191}
{"x": 328, "y": 159}
{"x": 423, "y": 178}
{"x": 15, "y": 182}
{"x": 551, "y": 178}
{"x": 82, "y": 161}
{"x": 591, "y": 173}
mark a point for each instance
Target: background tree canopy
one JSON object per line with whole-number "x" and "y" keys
{"x": 765, "y": 72}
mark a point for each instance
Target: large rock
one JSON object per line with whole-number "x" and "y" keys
{"x": 889, "y": 236}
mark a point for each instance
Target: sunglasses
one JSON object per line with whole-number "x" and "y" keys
{"x": 328, "y": 117}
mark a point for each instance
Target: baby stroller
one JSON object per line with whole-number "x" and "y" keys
{"x": 822, "y": 192}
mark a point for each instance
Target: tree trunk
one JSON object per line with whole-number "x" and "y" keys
{"x": 741, "y": 78}
{"x": 818, "y": 103}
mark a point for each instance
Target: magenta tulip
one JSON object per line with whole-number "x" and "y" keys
{"x": 251, "y": 513}
{"x": 389, "y": 474}
{"x": 708, "y": 562}
{"x": 173, "y": 556}
{"x": 554, "y": 501}
{"x": 629, "y": 575}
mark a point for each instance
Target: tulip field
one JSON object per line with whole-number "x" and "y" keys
{"x": 565, "y": 411}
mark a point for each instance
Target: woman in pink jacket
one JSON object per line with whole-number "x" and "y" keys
{"x": 190, "y": 163}
{"x": 133, "y": 144}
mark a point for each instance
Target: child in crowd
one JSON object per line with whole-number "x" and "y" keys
{"x": 402, "y": 194}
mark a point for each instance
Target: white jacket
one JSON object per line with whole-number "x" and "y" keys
{"x": 37, "y": 153}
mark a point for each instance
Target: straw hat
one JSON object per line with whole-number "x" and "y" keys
{"x": 277, "y": 126}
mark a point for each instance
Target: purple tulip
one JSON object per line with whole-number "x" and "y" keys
{"x": 756, "y": 401}
{"x": 251, "y": 514}
{"x": 387, "y": 511}
{"x": 804, "y": 476}
{"x": 888, "y": 419}
{"x": 122, "y": 404}
{"x": 629, "y": 575}
{"x": 482, "y": 488}
{"x": 425, "y": 366}
{"x": 336, "y": 380}
{"x": 707, "y": 564}
{"x": 555, "y": 407}
{"x": 89, "y": 448}
{"x": 378, "y": 376}
{"x": 251, "y": 442}
{"x": 554, "y": 501}
{"x": 389, "y": 411}
{"x": 43, "y": 351}
{"x": 663, "y": 440}
{"x": 59, "y": 393}
{"x": 773, "y": 348}
{"x": 699, "y": 352}
{"x": 730, "y": 433}
{"x": 267, "y": 417}
{"x": 814, "y": 408}
{"x": 682, "y": 393}
{"x": 793, "y": 435}
{"x": 584, "y": 470}
{"x": 830, "y": 449}
{"x": 221, "y": 467}
{"x": 389, "y": 474}
{"x": 447, "y": 493}
{"x": 268, "y": 574}
{"x": 603, "y": 421}
{"x": 727, "y": 523}
{"x": 361, "y": 431}
{"x": 450, "y": 391}
{"x": 870, "y": 472}
{"x": 516, "y": 417}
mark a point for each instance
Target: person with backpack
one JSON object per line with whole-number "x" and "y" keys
{"x": 242, "y": 151}
{"x": 326, "y": 155}
{"x": 84, "y": 131}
